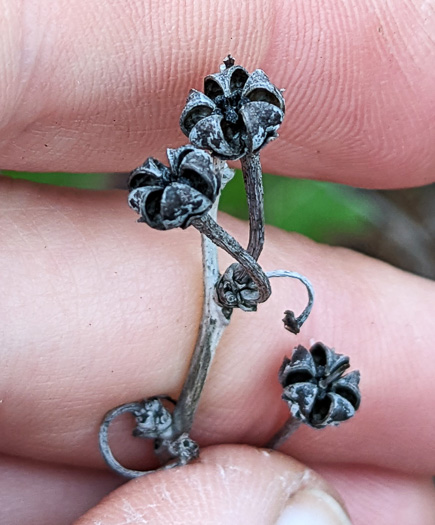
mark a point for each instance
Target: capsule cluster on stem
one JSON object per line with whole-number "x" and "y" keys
{"x": 237, "y": 114}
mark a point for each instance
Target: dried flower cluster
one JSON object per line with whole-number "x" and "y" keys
{"x": 234, "y": 118}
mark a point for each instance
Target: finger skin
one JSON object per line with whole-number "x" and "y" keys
{"x": 46, "y": 494}
{"x": 100, "y": 86}
{"x": 98, "y": 310}
{"x": 383, "y": 497}
{"x": 229, "y": 484}
{"x": 234, "y": 484}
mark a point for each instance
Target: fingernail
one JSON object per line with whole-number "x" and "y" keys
{"x": 313, "y": 507}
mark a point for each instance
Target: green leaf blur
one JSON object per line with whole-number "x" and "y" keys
{"x": 85, "y": 181}
{"x": 320, "y": 210}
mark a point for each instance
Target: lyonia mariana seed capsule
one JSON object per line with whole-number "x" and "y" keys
{"x": 236, "y": 116}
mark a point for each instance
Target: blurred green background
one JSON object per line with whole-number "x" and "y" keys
{"x": 397, "y": 226}
{"x": 319, "y": 210}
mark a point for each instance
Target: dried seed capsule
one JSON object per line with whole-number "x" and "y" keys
{"x": 184, "y": 449}
{"x": 237, "y": 114}
{"x": 290, "y": 322}
{"x": 314, "y": 386}
{"x": 171, "y": 197}
{"x": 235, "y": 289}
{"x": 153, "y": 420}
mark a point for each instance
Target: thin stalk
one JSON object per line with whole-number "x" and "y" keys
{"x": 207, "y": 226}
{"x": 106, "y": 451}
{"x": 253, "y": 179}
{"x": 213, "y": 324}
{"x": 289, "y": 428}
{"x": 300, "y": 320}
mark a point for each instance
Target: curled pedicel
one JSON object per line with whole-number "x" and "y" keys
{"x": 292, "y": 323}
{"x": 153, "y": 421}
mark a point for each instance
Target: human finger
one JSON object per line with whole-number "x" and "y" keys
{"x": 228, "y": 484}
{"x": 98, "y": 310}
{"x": 43, "y": 494}
{"x": 374, "y": 495}
{"x": 234, "y": 484}
{"x": 100, "y": 86}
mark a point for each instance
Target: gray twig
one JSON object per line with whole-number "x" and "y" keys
{"x": 213, "y": 324}
{"x": 207, "y": 226}
{"x": 292, "y": 323}
{"x": 253, "y": 178}
{"x": 106, "y": 451}
{"x": 289, "y": 427}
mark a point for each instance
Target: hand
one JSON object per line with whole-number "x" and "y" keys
{"x": 98, "y": 310}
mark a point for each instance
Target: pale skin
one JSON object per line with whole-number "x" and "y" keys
{"x": 97, "y": 310}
